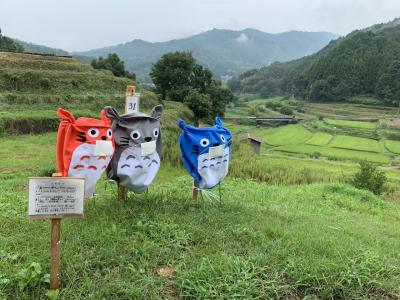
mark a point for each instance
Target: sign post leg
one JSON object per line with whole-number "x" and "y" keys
{"x": 55, "y": 253}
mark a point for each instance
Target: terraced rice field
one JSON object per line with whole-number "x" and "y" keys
{"x": 355, "y": 143}
{"x": 285, "y": 135}
{"x": 320, "y": 139}
{"x": 393, "y": 146}
{"x": 353, "y": 124}
{"x": 335, "y": 153}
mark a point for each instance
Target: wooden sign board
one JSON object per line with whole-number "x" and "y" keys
{"x": 132, "y": 103}
{"x": 56, "y": 197}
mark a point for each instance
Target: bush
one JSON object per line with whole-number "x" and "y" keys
{"x": 369, "y": 178}
{"x": 286, "y": 110}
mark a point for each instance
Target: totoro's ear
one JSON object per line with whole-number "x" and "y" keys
{"x": 182, "y": 124}
{"x": 111, "y": 112}
{"x": 218, "y": 121}
{"x": 65, "y": 115}
{"x": 156, "y": 112}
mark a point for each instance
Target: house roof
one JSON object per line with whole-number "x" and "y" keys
{"x": 254, "y": 138}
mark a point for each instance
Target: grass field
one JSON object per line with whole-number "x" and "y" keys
{"x": 347, "y": 123}
{"x": 355, "y": 143}
{"x": 262, "y": 241}
{"x": 320, "y": 139}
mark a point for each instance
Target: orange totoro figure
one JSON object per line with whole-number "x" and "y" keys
{"x": 84, "y": 147}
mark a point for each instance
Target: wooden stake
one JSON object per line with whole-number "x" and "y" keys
{"x": 195, "y": 190}
{"x": 122, "y": 191}
{"x": 195, "y": 187}
{"x": 55, "y": 250}
{"x": 55, "y": 254}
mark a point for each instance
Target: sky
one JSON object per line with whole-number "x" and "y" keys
{"x": 77, "y": 25}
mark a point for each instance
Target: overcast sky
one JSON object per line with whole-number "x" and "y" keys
{"x": 85, "y": 24}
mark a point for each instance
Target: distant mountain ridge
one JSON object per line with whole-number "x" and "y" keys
{"x": 365, "y": 62}
{"x": 226, "y": 52}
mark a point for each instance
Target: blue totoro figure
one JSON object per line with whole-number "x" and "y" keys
{"x": 205, "y": 152}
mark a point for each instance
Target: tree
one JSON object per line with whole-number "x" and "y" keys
{"x": 114, "y": 64}
{"x": 175, "y": 73}
{"x": 178, "y": 77}
{"x": 220, "y": 97}
{"x": 200, "y": 104}
{"x": 388, "y": 86}
{"x": 321, "y": 91}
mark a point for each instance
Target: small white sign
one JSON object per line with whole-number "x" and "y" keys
{"x": 148, "y": 148}
{"x": 103, "y": 148}
{"x": 216, "y": 151}
{"x": 56, "y": 197}
{"x": 132, "y": 103}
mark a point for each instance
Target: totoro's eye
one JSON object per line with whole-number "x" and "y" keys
{"x": 222, "y": 138}
{"x": 93, "y": 132}
{"x": 204, "y": 142}
{"x": 156, "y": 132}
{"x": 135, "y": 134}
{"x": 109, "y": 133}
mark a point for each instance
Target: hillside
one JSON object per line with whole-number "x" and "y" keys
{"x": 363, "y": 63}
{"x": 9, "y": 45}
{"x": 34, "y": 48}
{"x": 226, "y": 52}
{"x": 33, "y": 86}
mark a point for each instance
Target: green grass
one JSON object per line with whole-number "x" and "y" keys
{"x": 393, "y": 146}
{"x": 320, "y": 139}
{"x": 355, "y": 143}
{"x": 336, "y": 153}
{"x": 354, "y": 124}
{"x": 285, "y": 135}
{"x": 262, "y": 241}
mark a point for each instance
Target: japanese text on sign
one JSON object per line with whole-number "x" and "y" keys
{"x": 56, "y": 196}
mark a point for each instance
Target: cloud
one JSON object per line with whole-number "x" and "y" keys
{"x": 242, "y": 38}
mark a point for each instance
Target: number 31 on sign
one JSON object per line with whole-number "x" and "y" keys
{"x": 132, "y": 103}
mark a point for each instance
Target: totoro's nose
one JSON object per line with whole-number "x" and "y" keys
{"x": 103, "y": 137}
{"x": 147, "y": 138}
{"x": 216, "y": 144}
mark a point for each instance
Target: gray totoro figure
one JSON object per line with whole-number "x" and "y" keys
{"x": 137, "y": 155}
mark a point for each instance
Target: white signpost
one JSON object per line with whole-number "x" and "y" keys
{"x": 132, "y": 100}
{"x": 55, "y": 198}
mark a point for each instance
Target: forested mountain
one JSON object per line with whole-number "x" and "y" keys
{"x": 225, "y": 52}
{"x": 366, "y": 62}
